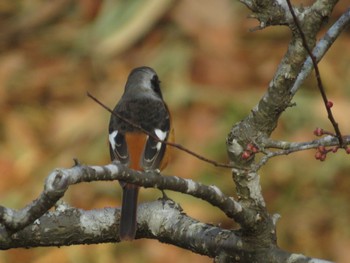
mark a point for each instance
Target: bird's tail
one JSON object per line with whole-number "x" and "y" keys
{"x": 127, "y": 227}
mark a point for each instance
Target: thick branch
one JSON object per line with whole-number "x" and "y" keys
{"x": 262, "y": 120}
{"x": 257, "y": 127}
{"x": 59, "y": 180}
{"x": 162, "y": 220}
{"x": 159, "y": 219}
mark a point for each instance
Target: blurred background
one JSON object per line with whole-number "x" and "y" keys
{"x": 213, "y": 71}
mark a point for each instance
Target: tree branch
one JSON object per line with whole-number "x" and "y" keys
{"x": 258, "y": 126}
{"x": 160, "y": 220}
{"x": 328, "y": 105}
{"x": 264, "y": 117}
{"x": 290, "y": 147}
{"x": 321, "y": 48}
{"x": 59, "y": 180}
{"x": 260, "y": 123}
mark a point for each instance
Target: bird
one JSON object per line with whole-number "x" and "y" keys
{"x": 142, "y": 105}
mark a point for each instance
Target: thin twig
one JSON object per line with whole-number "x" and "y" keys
{"x": 318, "y": 78}
{"x": 328, "y": 140}
{"x": 285, "y": 148}
{"x": 175, "y": 145}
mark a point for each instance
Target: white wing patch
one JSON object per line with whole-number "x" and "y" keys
{"x": 111, "y": 138}
{"x": 161, "y": 135}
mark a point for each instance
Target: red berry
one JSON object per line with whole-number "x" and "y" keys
{"x": 318, "y": 155}
{"x": 329, "y": 104}
{"x": 323, "y": 157}
{"x": 245, "y": 155}
{"x": 322, "y": 149}
{"x": 318, "y": 132}
{"x": 347, "y": 150}
{"x": 250, "y": 146}
{"x": 254, "y": 149}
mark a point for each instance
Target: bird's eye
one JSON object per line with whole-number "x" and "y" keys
{"x": 156, "y": 85}
{"x": 155, "y": 81}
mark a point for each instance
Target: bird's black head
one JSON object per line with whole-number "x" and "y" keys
{"x": 143, "y": 82}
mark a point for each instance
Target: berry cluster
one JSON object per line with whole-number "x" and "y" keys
{"x": 249, "y": 151}
{"x": 322, "y": 151}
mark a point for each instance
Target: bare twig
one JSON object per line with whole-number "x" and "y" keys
{"x": 175, "y": 145}
{"x": 318, "y": 78}
{"x": 286, "y": 148}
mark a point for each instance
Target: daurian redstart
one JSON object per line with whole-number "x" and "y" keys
{"x": 142, "y": 104}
